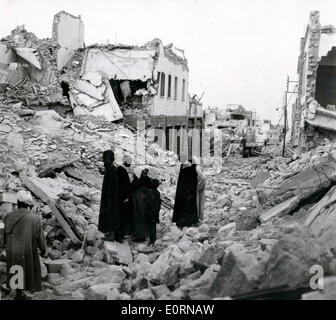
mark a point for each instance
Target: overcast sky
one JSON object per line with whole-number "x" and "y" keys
{"x": 239, "y": 51}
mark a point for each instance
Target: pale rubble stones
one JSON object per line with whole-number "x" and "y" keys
{"x": 9, "y": 197}
{"x": 111, "y": 273}
{"x": 159, "y": 291}
{"x": 239, "y": 273}
{"x": 44, "y": 270}
{"x": 141, "y": 269}
{"x": 292, "y": 256}
{"x": 225, "y": 231}
{"x": 223, "y": 201}
{"x": 143, "y": 248}
{"x": 55, "y": 266}
{"x": 99, "y": 291}
{"x": 327, "y": 293}
{"x": 114, "y": 294}
{"x": 98, "y": 256}
{"x": 91, "y": 234}
{"x": 141, "y": 258}
{"x": 119, "y": 252}
{"x": 67, "y": 270}
{"x": 165, "y": 269}
{"x": 79, "y": 294}
{"x": 78, "y": 256}
{"x": 145, "y": 294}
{"x": 99, "y": 264}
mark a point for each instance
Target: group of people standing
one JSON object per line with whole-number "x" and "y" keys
{"x": 128, "y": 208}
{"x": 133, "y": 207}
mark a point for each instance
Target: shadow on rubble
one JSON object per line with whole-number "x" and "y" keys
{"x": 282, "y": 293}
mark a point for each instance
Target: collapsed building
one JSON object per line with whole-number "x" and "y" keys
{"x": 147, "y": 83}
{"x": 138, "y": 83}
{"x": 234, "y": 117}
{"x": 227, "y": 127}
{"x": 314, "y": 112}
{"x": 271, "y": 132}
{"x": 29, "y": 67}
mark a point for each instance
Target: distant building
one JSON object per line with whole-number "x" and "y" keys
{"x": 234, "y": 117}
{"x": 195, "y": 126}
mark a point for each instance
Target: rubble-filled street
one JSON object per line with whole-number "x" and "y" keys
{"x": 260, "y": 232}
{"x": 268, "y": 224}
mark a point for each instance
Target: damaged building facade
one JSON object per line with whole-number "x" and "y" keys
{"x": 146, "y": 83}
{"x": 29, "y": 67}
{"x": 314, "y": 113}
{"x": 234, "y": 117}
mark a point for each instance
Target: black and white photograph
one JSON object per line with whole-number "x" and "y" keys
{"x": 181, "y": 151}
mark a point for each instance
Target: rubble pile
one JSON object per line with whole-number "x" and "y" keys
{"x": 229, "y": 254}
{"x": 252, "y": 237}
{"x": 33, "y": 77}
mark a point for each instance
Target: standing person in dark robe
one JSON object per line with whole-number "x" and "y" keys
{"x": 201, "y": 182}
{"x": 140, "y": 184}
{"x": 152, "y": 209}
{"x": 23, "y": 237}
{"x": 185, "y": 207}
{"x": 109, "y": 214}
{"x": 125, "y": 198}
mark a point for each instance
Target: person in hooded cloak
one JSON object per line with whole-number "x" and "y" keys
{"x": 140, "y": 185}
{"x": 125, "y": 198}
{"x": 109, "y": 214}
{"x": 200, "y": 195}
{"x": 152, "y": 209}
{"x": 24, "y": 238}
{"x": 185, "y": 207}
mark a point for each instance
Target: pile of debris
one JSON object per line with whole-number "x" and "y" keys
{"x": 28, "y": 72}
{"x": 267, "y": 220}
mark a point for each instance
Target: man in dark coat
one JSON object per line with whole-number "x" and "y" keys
{"x": 125, "y": 199}
{"x": 185, "y": 206}
{"x": 152, "y": 209}
{"x": 23, "y": 237}
{"x": 140, "y": 184}
{"x": 109, "y": 214}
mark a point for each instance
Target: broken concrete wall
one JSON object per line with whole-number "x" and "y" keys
{"x": 68, "y": 35}
{"x": 8, "y": 67}
{"x": 126, "y": 63}
{"x": 7, "y": 55}
{"x": 168, "y": 64}
{"x": 317, "y": 42}
{"x": 33, "y": 74}
{"x": 93, "y": 94}
{"x": 129, "y": 71}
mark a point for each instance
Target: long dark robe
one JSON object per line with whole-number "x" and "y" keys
{"x": 109, "y": 214}
{"x": 153, "y": 205}
{"x": 126, "y": 211}
{"x": 185, "y": 206}
{"x": 140, "y": 189}
{"x": 23, "y": 237}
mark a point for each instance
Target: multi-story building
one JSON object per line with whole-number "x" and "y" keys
{"x": 314, "y": 111}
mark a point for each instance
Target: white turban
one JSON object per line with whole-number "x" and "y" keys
{"x": 195, "y": 160}
{"x": 25, "y": 196}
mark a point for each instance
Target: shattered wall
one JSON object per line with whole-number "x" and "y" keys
{"x": 171, "y": 65}
{"x": 32, "y": 72}
{"x": 326, "y": 80}
{"x": 68, "y": 35}
{"x": 133, "y": 75}
{"x": 316, "y": 43}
